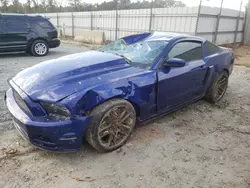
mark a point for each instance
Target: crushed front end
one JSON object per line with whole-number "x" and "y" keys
{"x": 34, "y": 124}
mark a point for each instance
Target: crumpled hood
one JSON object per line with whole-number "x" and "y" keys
{"x": 56, "y": 79}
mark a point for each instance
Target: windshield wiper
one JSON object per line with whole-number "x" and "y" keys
{"x": 127, "y": 59}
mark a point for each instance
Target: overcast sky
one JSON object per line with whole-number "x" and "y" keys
{"x": 233, "y": 4}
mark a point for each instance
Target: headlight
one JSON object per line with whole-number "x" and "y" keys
{"x": 56, "y": 111}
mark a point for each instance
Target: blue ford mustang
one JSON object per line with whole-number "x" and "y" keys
{"x": 101, "y": 95}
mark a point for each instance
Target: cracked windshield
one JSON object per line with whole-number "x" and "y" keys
{"x": 140, "y": 54}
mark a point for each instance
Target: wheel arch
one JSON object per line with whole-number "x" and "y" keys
{"x": 133, "y": 103}
{"x": 226, "y": 70}
{"x": 38, "y": 38}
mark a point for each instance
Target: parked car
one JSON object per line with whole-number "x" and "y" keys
{"x": 34, "y": 34}
{"x": 101, "y": 95}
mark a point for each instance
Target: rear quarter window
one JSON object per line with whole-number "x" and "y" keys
{"x": 211, "y": 48}
{"x": 42, "y": 22}
{"x": 45, "y": 24}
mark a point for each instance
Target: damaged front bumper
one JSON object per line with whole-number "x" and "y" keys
{"x": 52, "y": 135}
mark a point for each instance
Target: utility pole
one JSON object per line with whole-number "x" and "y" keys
{"x": 218, "y": 23}
{"x": 151, "y": 15}
{"x": 237, "y": 24}
{"x": 198, "y": 18}
{"x": 116, "y": 20}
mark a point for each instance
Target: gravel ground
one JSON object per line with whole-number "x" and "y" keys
{"x": 242, "y": 55}
{"x": 11, "y": 64}
{"x": 202, "y": 145}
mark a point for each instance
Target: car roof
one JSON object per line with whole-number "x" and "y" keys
{"x": 158, "y": 36}
{"x": 168, "y": 36}
{"x": 13, "y": 14}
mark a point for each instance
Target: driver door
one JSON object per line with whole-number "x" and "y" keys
{"x": 179, "y": 85}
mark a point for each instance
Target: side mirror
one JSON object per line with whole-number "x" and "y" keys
{"x": 174, "y": 62}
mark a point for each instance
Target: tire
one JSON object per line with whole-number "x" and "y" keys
{"x": 214, "y": 94}
{"x": 39, "y": 48}
{"x": 111, "y": 120}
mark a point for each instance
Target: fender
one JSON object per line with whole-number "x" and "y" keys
{"x": 140, "y": 92}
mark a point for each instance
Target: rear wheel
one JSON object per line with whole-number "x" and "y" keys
{"x": 111, "y": 125}
{"x": 218, "y": 89}
{"x": 39, "y": 48}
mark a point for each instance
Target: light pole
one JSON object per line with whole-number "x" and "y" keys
{"x": 151, "y": 15}
{"x": 198, "y": 17}
{"x": 218, "y": 23}
{"x": 116, "y": 20}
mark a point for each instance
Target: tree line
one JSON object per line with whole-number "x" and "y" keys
{"x": 45, "y": 6}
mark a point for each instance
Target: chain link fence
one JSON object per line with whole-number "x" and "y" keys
{"x": 220, "y": 21}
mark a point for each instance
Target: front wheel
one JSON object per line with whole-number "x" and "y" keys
{"x": 111, "y": 126}
{"x": 218, "y": 89}
{"x": 39, "y": 48}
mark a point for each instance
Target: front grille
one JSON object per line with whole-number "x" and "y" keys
{"x": 20, "y": 102}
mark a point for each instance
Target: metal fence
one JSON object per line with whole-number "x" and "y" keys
{"x": 218, "y": 24}
{"x": 223, "y": 23}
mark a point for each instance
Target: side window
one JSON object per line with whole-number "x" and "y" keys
{"x": 16, "y": 24}
{"x": 44, "y": 23}
{"x": 188, "y": 51}
{"x": 1, "y": 26}
{"x": 211, "y": 48}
